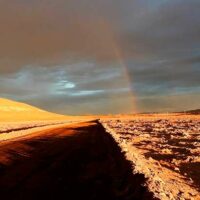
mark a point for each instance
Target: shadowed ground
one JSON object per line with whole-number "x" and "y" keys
{"x": 80, "y": 161}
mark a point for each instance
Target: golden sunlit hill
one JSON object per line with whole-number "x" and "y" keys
{"x": 16, "y": 111}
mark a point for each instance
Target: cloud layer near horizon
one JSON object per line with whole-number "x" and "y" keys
{"x": 92, "y": 56}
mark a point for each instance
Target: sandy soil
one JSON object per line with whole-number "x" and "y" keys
{"x": 165, "y": 149}
{"x": 12, "y": 111}
{"x": 79, "y": 161}
{"x": 10, "y": 131}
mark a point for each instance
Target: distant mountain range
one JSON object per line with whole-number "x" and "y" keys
{"x": 16, "y": 111}
{"x": 194, "y": 112}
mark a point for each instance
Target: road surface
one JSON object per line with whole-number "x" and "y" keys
{"x": 79, "y": 161}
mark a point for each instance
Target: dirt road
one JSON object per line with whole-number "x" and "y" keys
{"x": 80, "y": 161}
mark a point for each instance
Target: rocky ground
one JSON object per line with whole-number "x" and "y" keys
{"x": 166, "y": 150}
{"x": 147, "y": 157}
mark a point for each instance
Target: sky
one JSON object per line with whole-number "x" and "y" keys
{"x": 82, "y": 57}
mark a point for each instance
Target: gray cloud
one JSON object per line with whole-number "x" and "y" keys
{"x": 67, "y": 54}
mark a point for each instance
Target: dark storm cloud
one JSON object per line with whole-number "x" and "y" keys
{"x": 166, "y": 74}
{"x": 172, "y": 31}
{"x": 66, "y": 53}
{"x": 44, "y": 32}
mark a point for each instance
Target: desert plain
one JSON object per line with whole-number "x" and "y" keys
{"x": 141, "y": 156}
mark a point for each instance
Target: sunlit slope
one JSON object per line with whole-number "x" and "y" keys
{"x": 16, "y": 111}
